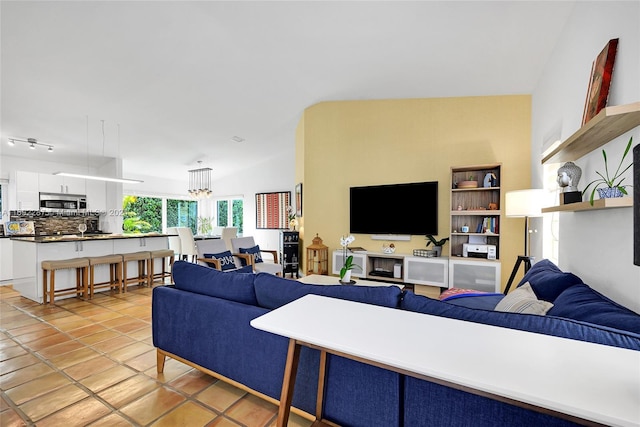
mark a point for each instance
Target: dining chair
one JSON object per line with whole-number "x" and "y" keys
{"x": 174, "y": 241}
{"x": 187, "y": 244}
{"x": 227, "y": 234}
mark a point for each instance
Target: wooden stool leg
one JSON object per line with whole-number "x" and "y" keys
{"x": 118, "y": 268}
{"x": 85, "y": 280}
{"x": 79, "y": 282}
{"x": 112, "y": 276}
{"x": 124, "y": 276}
{"x": 52, "y": 286}
{"x": 152, "y": 269}
{"x": 140, "y": 272}
{"x": 92, "y": 279}
{"x": 44, "y": 286}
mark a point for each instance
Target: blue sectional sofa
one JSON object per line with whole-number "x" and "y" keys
{"x": 203, "y": 320}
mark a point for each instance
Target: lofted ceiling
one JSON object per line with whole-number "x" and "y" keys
{"x": 164, "y": 84}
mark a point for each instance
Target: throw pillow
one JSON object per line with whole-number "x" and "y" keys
{"x": 523, "y": 300}
{"x": 226, "y": 260}
{"x": 547, "y": 280}
{"x": 255, "y": 251}
{"x": 585, "y": 304}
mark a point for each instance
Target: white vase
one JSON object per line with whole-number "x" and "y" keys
{"x": 347, "y": 277}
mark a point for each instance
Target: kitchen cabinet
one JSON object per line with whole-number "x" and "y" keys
{"x": 27, "y": 196}
{"x": 6, "y": 259}
{"x": 61, "y": 184}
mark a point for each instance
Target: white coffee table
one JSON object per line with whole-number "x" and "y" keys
{"x": 319, "y": 279}
{"x": 580, "y": 381}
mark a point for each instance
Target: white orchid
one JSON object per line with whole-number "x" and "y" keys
{"x": 346, "y": 240}
{"x": 348, "y": 260}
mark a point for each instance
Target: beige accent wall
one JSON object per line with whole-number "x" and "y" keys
{"x": 351, "y": 143}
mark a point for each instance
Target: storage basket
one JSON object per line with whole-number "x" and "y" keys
{"x": 424, "y": 253}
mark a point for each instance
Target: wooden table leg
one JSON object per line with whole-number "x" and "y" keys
{"x": 321, "y": 383}
{"x": 288, "y": 382}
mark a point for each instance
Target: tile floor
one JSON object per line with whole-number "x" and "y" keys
{"x": 92, "y": 363}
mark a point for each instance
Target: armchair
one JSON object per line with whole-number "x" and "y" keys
{"x": 215, "y": 246}
{"x": 246, "y": 249}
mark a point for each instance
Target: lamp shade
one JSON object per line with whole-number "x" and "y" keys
{"x": 524, "y": 203}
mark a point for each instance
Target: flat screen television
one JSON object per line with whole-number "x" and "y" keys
{"x": 410, "y": 208}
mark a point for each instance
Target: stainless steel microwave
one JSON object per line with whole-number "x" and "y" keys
{"x": 53, "y": 202}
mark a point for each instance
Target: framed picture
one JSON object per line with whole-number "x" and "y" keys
{"x": 271, "y": 210}
{"x": 299, "y": 200}
{"x": 600, "y": 80}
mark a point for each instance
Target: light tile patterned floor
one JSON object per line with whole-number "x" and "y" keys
{"x": 92, "y": 363}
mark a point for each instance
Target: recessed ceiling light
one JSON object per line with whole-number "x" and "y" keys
{"x": 237, "y": 139}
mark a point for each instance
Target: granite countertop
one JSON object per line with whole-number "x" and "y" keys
{"x": 75, "y": 238}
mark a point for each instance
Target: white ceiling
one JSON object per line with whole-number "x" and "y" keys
{"x": 173, "y": 82}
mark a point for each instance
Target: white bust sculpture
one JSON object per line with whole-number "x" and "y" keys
{"x": 568, "y": 177}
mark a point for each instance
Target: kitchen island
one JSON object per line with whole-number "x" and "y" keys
{"x": 29, "y": 252}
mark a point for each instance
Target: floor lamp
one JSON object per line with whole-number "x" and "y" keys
{"x": 519, "y": 204}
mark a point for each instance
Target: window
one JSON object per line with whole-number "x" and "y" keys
{"x": 229, "y": 213}
{"x": 145, "y": 213}
{"x": 182, "y": 213}
{"x": 142, "y": 214}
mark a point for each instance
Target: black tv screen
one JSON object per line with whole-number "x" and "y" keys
{"x": 394, "y": 209}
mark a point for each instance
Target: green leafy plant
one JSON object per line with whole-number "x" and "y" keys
{"x": 610, "y": 181}
{"x": 205, "y": 225}
{"x": 348, "y": 265}
{"x": 133, "y": 224}
{"x": 431, "y": 239}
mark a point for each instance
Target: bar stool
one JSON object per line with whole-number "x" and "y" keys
{"x": 115, "y": 273}
{"x": 143, "y": 258}
{"x": 161, "y": 254}
{"x": 49, "y": 267}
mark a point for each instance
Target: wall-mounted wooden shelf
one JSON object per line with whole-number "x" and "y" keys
{"x": 608, "y": 124}
{"x": 617, "y": 202}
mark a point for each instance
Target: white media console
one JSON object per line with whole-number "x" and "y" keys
{"x": 426, "y": 274}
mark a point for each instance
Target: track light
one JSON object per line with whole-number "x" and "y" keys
{"x": 33, "y": 143}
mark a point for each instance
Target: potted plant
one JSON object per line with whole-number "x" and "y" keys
{"x": 345, "y": 271}
{"x": 438, "y": 244}
{"x": 205, "y": 225}
{"x": 613, "y": 183}
{"x": 469, "y": 183}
